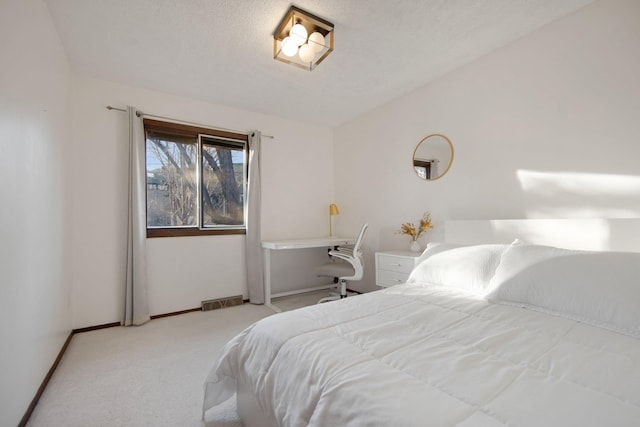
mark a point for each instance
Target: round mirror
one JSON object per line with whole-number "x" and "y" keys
{"x": 432, "y": 157}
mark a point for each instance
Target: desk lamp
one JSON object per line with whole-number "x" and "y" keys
{"x": 333, "y": 210}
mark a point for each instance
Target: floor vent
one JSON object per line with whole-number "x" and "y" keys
{"x": 213, "y": 304}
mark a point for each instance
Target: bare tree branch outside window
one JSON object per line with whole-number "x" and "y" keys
{"x": 173, "y": 181}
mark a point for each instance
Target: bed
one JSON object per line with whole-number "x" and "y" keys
{"x": 484, "y": 333}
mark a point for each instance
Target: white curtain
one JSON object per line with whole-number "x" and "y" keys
{"x": 255, "y": 279}
{"x": 136, "y": 310}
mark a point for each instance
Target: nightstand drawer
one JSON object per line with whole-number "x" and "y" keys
{"x": 395, "y": 263}
{"x": 391, "y": 278}
{"x": 393, "y": 267}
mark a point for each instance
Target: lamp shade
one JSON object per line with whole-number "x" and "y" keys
{"x": 333, "y": 209}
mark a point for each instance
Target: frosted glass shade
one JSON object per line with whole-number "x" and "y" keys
{"x": 316, "y": 41}
{"x": 289, "y": 48}
{"x": 306, "y": 53}
{"x": 298, "y": 34}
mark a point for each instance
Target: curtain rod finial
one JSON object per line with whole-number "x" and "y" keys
{"x": 109, "y": 107}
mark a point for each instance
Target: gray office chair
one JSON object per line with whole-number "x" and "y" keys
{"x": 346, "y": 265}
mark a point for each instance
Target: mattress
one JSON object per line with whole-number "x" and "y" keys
{"x": 416, "y": 355}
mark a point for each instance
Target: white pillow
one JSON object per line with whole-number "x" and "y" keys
{"x": 469, "y": 268}
{"x": 435, "y": 247}
{"x": 599, "y": 288}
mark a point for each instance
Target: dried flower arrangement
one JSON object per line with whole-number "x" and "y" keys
{"x": 414, "y": 232}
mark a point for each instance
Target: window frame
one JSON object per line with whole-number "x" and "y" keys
{"x": 197, "y": 133}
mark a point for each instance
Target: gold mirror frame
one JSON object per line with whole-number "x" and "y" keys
{"x": 413, "y": 159}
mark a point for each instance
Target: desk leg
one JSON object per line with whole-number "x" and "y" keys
{"x": 267, "y": 280}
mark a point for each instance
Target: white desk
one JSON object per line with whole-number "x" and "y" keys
{"x": 276, "y": 245}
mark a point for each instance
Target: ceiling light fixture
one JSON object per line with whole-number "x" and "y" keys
{"x": 302, "y": 39}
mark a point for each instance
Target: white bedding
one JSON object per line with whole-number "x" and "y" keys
{"x": 415, "y": 355}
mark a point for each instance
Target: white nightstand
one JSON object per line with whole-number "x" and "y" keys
{"x": 393, "y": 267}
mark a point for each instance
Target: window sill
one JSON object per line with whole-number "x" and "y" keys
{"x": 182, "y": 232}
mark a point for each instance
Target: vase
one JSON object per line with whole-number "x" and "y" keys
{"x": 415, "y": 246}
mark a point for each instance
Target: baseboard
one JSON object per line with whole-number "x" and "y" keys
{"x": 96, "y": 327}
{"x": 36, "y": 398}
{"x": 175, "y": 313}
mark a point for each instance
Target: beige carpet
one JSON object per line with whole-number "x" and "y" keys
{"x": 150, "y": 375}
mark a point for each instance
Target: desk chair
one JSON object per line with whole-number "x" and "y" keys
{"x": 346, "y": 264}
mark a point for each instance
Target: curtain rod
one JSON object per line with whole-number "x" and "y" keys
{"x": 140, "y": 113}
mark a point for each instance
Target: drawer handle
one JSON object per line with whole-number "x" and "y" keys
{"x": 396, "y": 265}
{"x": 398, "y": 281}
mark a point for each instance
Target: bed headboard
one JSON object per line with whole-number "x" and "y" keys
{"x": 583, "y": 233}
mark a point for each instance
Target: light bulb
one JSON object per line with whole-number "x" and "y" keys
{"x": 316, "y": 41}
{"x": 298, "y": 34}
{"x": 289, "y": 48}
{"x": 306, "y": 53}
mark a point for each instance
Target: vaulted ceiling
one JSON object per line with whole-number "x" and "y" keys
{"x": 221, "y": 51}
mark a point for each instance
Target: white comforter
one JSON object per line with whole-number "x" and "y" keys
{"x": 419, "y": 356}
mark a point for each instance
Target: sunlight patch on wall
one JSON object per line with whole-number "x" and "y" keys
{"x": 598, "y": 234}
{"x": 579, "y": 195}
{"x": 584, "y": 234}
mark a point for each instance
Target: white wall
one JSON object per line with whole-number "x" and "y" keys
{"x": 544, "y": 127}
{"x": 297, "y": 184}
{"x": 34, "y": 131}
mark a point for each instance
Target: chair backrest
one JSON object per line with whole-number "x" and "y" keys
{"x": 357, "y": 255}
{"x": 356, "y": 246}
{"x": 352, "y": 255}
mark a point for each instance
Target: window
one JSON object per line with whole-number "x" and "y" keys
{"x": 422, "y": 168}
{"x": 196, "y": 180}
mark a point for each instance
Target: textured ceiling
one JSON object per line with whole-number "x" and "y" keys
{"x": 221, "y": 51}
